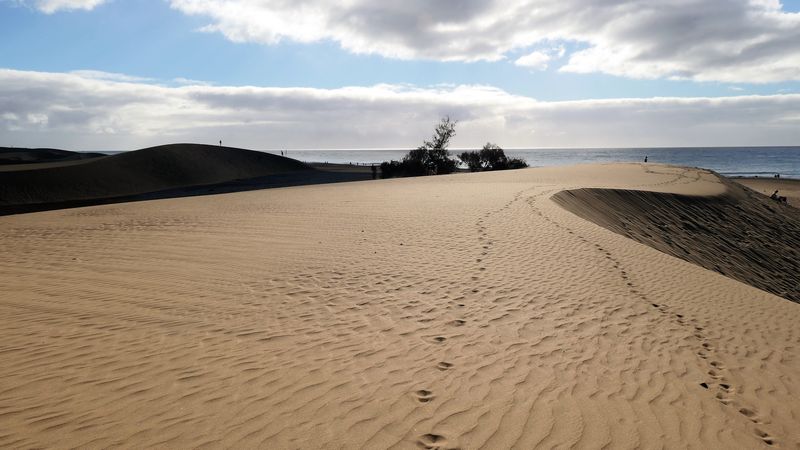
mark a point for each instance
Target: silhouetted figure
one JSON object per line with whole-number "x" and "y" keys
{"x": 645, "y": 158}
{"x": 778, "y": 198}
{"x": 220, "y": 143}
{"x": 281, "y": 152}
{"x": 374, "y": 172}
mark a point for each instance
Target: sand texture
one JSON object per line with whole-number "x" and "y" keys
{"x": 464, "y": 311}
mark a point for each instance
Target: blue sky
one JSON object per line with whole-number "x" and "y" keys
{"x": 160, "y": 42}
{"x": 149, "y": 39}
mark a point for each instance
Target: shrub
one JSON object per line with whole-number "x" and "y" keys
{"x": 490, "y": 157}
{"x": 431, "y": 158}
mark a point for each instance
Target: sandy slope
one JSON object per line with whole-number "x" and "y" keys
{"x": 456, "y": 311}
{"x": 741, "y": 234}
{"x": 13, "y": 156}
{"x": 138, "y": 172}
{"x": 785, "y": 187}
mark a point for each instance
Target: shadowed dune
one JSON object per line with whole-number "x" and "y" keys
{"x": 166, "y": 171}
{"x": 740, "y": 234}
{"x": 13, "y": 156}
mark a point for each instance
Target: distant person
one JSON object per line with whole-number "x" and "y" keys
{"x": 778, "y": 198}
{"x": 281, "y": 152}
{"x": 645, "y": 158}
{"x": 220, "y": 143}
{"x": 374, "y": 172}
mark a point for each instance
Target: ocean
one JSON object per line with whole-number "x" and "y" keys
{"x": 731, "y": 161}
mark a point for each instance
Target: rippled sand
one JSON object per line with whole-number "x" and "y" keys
{"x": 459, "y": 311}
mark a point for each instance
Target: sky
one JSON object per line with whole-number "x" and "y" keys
{"x": 317, "y": 74}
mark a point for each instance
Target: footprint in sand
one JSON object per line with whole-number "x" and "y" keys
{"x": 444, "y": 366}
{"x": 458, "y": 322}
{"x": 439, "y": 339}
{"x": 769, "y": 440}
{"x": 722, "y": 399}
{"x": 432, "y": 441}
{"x": 423, "y": 395}
{"x": 749, "y": 413}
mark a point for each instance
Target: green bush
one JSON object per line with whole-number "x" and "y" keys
{"x": 431, "y": 158}
{"x": 490, "y": 157}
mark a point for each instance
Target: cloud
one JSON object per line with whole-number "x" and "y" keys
{"x": 52, "y": 6}
{"x": 110, "y": 76}
{"x": 536, "y": 60}
{"x": 753, "y": 41}
{"x": 70, "y": 110}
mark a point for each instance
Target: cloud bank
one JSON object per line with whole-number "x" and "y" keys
{"x": 751, "y": 41}
{"x": 84, "y": 111}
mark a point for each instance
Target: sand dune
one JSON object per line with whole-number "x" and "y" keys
{"x": 465, "y": 311}
{"x": 139, "y": 172}
{"x": 786, "y": 187}
{"x": 16, "y": 156}
{"x": 740, "y": 234}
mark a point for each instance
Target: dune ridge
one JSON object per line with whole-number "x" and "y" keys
{"x": 740, "y": 234}
{"x": 14, "y": 155}
{"x": 466, "y": 311}
{"x": 139, "y": 172}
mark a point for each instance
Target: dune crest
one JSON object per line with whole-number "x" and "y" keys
{"x": 139, "y": 172}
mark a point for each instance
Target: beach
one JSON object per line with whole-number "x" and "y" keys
{"x": 460, "y": 311}
{"x": 788, "y": 188}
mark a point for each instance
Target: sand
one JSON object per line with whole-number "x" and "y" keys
{"x": 149, "y": 170}
{"x": 13, "y": 156}
{"x": 741, "y": 234}
{"x": 167, "y": 171}
{"x": 786, "y": 187}
{"x": 463, "y": 311}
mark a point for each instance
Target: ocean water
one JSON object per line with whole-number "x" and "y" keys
{"x": 732, "y": 161}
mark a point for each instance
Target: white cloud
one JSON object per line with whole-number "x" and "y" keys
{"x": 733, "y": 41}
{"x": 536, "y": 60}
{"x": 69, "y": 110}
{"x": 189, "y": 82}
{"x": 110, "y": 76}
{"x": 52, "y": 6}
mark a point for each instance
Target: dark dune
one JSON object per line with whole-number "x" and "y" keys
{"x": 11, "y": 155}
{"x": 158, "y": 172}
{"x": 741, "y": 234}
